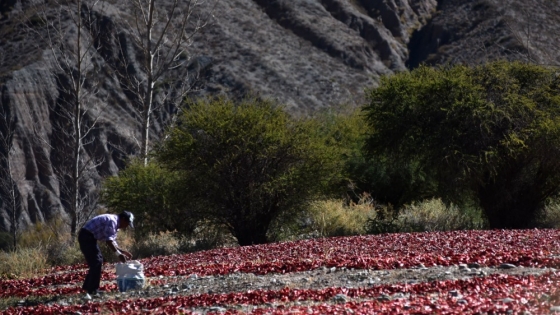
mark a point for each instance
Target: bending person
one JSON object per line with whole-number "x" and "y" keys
{"x": 102, "y": 228}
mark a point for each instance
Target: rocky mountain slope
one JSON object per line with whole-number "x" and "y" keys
{"x": 308, "y": 54}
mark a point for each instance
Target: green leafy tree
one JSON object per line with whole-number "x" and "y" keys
{"x": 248, "y": 163}
{"x": 490, "y": 133}
{"x": 153, "y": 195}
{"x": 388, "y": 181}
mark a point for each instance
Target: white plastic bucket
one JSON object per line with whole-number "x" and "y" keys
{"x": 130, "y": 276}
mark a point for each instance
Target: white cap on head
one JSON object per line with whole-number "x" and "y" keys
{"x": 129, "y": 217}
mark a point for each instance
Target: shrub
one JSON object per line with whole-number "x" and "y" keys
{"x": 205, "y": 236}
{"x": 383, "y": 220}
{"x": 53, "y": 240}
{"x": 387, "y": 180}
{"x": 390, "y": 181}
{"x": 247, "y": 163}
{"x": 326, "y": 218}
{"x": 6, "y": 241}
{"x": 156, "y": 244}
{"x": 42, "y": 234}
{"x": 434, "y": 215}
{"x": 63, "y": 253}
{"x": 489, "y": 133}
{"x": 290, "y": 227}
{"x": 24, "y": 262}
{"x": 549, "y": 216}
{"x": 340, "y": 218}
{"x": 155, "y": 196}
{"x": 426, "y": 216}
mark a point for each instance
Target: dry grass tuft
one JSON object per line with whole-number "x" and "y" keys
{"x": 426, "y": 216}
{"x": 340, "y": 218}
{"x": 43, "y": 234}
{"x": 549, "y": 216}
{"x": 23, "y": 263}
{"x": 163, "y": 243}
{"x": 42, "y": 246}
{"x": 435, "y": 215}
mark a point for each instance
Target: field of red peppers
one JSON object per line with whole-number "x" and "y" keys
{"x": 490, "y": 294}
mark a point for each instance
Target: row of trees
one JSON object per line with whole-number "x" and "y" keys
{"x": 241, "y": 166}
{"x": 485, "y": 135}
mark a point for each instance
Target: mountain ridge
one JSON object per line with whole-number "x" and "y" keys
{"x": 309, "y": 55}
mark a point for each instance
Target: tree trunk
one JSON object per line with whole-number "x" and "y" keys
{"x": 149, "y": 97}
{"x": 251, "y": 233}
{"x": 14, "y": 205}
{"x": 246, "y": 238}
{"x": 507, "y": 208}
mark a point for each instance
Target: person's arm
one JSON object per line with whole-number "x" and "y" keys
{"x": 123, "y": 254}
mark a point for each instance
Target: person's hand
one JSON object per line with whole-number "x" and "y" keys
{"x": 126, "y": 254}
{"x": 122, "y": 258}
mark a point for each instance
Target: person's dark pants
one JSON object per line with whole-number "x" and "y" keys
{"x": 90, "y": 249}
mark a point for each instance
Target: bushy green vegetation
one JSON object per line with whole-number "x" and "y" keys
{"x": 154, "y": 194}
{"x": 489, "y": 133}
{"x": 425, "y": 216}
{"x": 248, "y": 163}
{"x": 434, "y": 149}
{"x": 388, "y": 181}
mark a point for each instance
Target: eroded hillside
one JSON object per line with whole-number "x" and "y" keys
{"x": 307, "y": 54}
